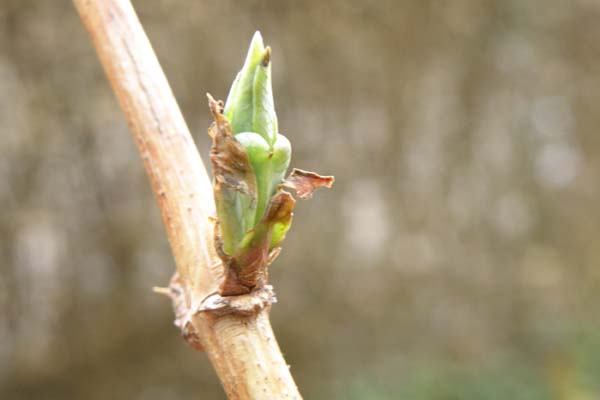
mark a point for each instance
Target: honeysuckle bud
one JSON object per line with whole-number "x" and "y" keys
{"x": 250, "y": 159}
{"x": 250, "y": 111}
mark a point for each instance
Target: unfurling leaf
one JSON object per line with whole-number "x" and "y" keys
{"x": 249, "y": 106}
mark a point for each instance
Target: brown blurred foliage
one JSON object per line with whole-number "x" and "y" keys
{"x": 462, "y": 233}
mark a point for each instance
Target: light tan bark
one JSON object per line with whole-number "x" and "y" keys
{"x": 242, "y": 349}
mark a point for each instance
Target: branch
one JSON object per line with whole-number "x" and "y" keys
{"x": 240, "y": 345}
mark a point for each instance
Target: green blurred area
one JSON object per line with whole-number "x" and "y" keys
{"x": 568, "y": 372}
{"x": 457, "y": 256}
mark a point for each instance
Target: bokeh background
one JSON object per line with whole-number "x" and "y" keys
{"x": 457, "y": 256}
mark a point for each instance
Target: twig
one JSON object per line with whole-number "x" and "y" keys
{"x": 241, "y": 347}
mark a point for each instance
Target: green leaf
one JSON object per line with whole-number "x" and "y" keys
{"x": 271, "y": 229}
{"x": 235, "y": 186}
{"x": 269, "y": 165}
{"x": 249, "y": 106}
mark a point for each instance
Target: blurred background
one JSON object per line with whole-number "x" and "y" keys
{"x": 457, "y": 256}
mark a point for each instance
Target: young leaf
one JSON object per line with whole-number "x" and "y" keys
{"x": 234, "y": 184}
